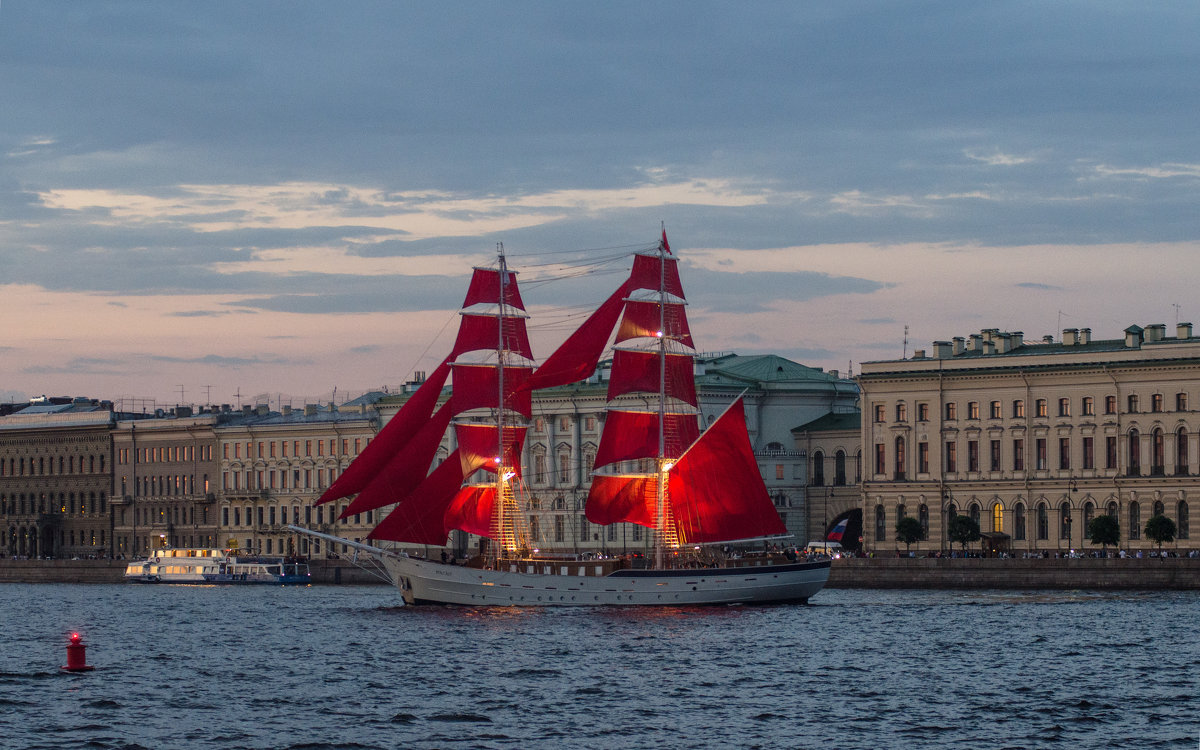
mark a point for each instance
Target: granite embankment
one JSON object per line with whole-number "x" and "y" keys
{"x": 880, "y": 572}
{"x": 113, "y": 571}
{"x": 997, "y": 573}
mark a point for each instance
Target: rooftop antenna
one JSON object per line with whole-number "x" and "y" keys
{"x": 208, "y": 394}
{"x": 238, "y": 396}
{"x": 1176, "y": 306}
{"x": 904, "y": 353}
{"x": 181, "y": 392}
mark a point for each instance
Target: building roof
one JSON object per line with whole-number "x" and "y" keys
{"x": 831, "y": 422}
{"x": 759, "y": 368}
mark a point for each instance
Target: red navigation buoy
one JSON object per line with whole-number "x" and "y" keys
{"x": 77, "y": 656}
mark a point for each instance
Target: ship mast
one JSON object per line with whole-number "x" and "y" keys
{"x": 661, "y": 484}
{"x": 504, "y": 540}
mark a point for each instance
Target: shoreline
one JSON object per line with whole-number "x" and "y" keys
{"x": 1153, "y": 574}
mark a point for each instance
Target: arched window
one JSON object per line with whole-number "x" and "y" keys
{"x": 839, "y": 468}
{"x": 535, "y": 531}
{"x": 1043, "y": 521}
{"x": 1181, "y": 452}
{"x": 923, "y": 517}
{"x": 1159, "y": 509}
{"x": 1089, "y": 512}
{"x": 818, "y": 472}
{"x": 1181, "y": 523}
{"x": 1064, "y": 521}
{"x": 900, "y": 458}
{"x": 1135, "y": 521}
{"x": 1157, "y": 466}
{"x": 1112, "y": 508}
{"x": 1019, "y": 522}
{"x": 559, "y": 529}
{"x": 880, "y": 524}
{"x": 975, "y": 509}
{"x": 901, "y": 511}
{"x": 1135, "y": 453}
{"x": 997, "y": 518}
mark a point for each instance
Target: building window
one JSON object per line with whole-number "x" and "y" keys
{"x": 995, "y": 456}
{"x": 1040, "y": 447}
{"x": 1043, "y": 521}
{"x": 900, "y": 458}
{"x": 1089, "y": 457}
{"x": 1181, "y": 522}
{"x": 778, "y": 471}
{"x": 564, "y": 423}
{"x": 995, "y": 410}
{"x": 1180, "y": 402}
{"x": 564, "y": 467}
{"x": 1110, "y": 404}
{"x": 1064, "y": 453}
{"x": 839, "y": 468}
{"x": 997, "y": 518}
{"x": 880, "y": 458}
{"x": 1018, "y": 409}
{"x": 901, "y": 412}
{"x": 972, "y": 410}
{"x": 818, "y": 469}
{"x": 858, "y": 466}
{"x": 975, "y": 512}
{"x": 1110, "y": 452}
{"x": 1156, "y": 402}
{"x": 1133, "y": 404}
{"x": 951, "y": 456}
{"x": 1181, "y": 452}
{"x": 1064, "y": 407}
{"x": 922, "y": 412}
{"x": 923, "y": 458}
{"x": 1135, "y": 521}
{"x": 1019, "y": 522}
{"x": 1135, "y": 453}
{"x": 1088, "y": 406}
{"x": 1040, "y": 404}
{"x": 879, "y": 413}
{"x": 923, "y": 519}
{"x": 880, "y": 524}
{"x": 1064, "y": 521}
{"x": 951, "y": 410}
{"x": 1018, "y": 454}
{"x": 1158, "y": 451}
{"x": 972, "y": 455}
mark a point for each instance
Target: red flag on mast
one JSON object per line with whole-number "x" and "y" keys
{"x": 665, "y": 245}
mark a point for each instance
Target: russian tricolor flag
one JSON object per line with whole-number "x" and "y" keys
{"x": 838, "y": 531}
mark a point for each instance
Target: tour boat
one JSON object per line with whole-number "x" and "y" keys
{"x": 701, "y": 494}
{"x": 215, "y": 566}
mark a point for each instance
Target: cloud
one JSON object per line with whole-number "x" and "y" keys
{"x": 877, "y": 321}
{"x": 226, "y": 361}
{"x": 80, "y": 365}
{"x": 998, "y": 159}
{"x": 1164, "y": 171}
{"x": 1039, "y": 286}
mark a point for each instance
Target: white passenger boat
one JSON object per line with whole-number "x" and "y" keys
{"x": 700, "y": 494}
{"x": 215, "y": 566}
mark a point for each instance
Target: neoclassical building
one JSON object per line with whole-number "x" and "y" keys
{"x": 1033, "y": 439}
{"x": 55, "y": 475}
{"x": 832, "y": 445}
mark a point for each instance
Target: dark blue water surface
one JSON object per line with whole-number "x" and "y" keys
{"x": 347, "y": 667}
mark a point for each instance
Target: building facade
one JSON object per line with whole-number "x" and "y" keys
{"x": 1034, "y": 439}
{"x": 55, "y": 479}
{"x": 163, "y": 492}
{"x": 833, "y": 446}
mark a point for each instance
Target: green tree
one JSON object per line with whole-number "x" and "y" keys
{"x": 1160, "y": 529}
{"x": 908, "y": 530}
{"x": 963, "y": 529}
{"x": 1104, "y": 530}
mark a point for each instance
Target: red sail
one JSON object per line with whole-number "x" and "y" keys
{"x": 481, "y": 332}
{"x": 621, "y": 499}
{"x": 471, "y": 510}
{"x": 485, "y": 289}
{"x": 642, "y": 320}
{"x": 477, "y": 445}
{"x": 406, "y": 469}
{"x": 421, "y": 519}
{"x": 391, "y": 439}
{"x": 648, "y": 272}
{"x": 477, "y": 387}
{"x": 716, "y": 491}
{"x": 630, "y": 435}
{"x": 638, "y": 372}
{"x": 577, "y": 357}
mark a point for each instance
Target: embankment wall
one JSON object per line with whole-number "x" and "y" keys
{"x": 994, "y": 573}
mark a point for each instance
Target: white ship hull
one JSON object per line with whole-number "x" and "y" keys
{"x": 563, "y": 584}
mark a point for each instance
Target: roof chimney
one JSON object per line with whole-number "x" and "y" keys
{"x": 1085, "y": 335}
{"x": 1133, "y": 337}
{"x": 1047, "y": 339}
{"x": 1018, "y": 338}
{"x": 1183, "y": 330}
{"x": 973, "y": 345}
{"x": 1156, "y": 332}
{"x": 247, "y": 409}
{"x": 310, "y": 410}
{"x": 286, "y": 409}
{"x": 942, "y": 349}
{"x": 958, "y": 345}
{"x": 1070, "y": 336}
{"x": 262, "y": 410}
{"x": 918, "y": 354}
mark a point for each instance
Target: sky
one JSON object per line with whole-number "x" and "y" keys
{"x": 222, "y": 202}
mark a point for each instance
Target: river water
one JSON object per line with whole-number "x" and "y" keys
{"x": 347, "y": 667}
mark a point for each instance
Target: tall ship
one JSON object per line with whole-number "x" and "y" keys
{"x": 700, "y": 494}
